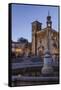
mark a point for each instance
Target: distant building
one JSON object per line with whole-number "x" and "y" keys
{"x": 21, "y": 48}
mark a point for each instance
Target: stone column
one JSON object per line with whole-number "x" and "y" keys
{"x": 47, "y": 68}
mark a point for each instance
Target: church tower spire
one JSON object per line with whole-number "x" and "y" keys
{"x": 49, "y": 22}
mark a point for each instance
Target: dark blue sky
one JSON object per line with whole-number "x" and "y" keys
{"x": 24, "y": 15}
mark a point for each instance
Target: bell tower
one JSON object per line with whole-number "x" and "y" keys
{"x": 36, "y": 26}
{"x": 49, "y": 22}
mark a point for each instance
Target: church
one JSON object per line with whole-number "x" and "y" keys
{"x": 46, "y": 38}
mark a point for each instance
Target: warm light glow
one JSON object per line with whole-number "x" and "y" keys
{"x": 18, "y": 50}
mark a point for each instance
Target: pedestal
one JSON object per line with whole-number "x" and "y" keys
{"x": 47, "y": 68}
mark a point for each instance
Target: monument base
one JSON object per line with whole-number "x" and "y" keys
{"x": 47, "y": 70}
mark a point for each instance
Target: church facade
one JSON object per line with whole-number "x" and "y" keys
{"x": 46, "y": 38}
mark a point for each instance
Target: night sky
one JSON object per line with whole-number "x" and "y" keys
{"x": 24, "y": 15}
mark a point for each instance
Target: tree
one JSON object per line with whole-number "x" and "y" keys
{"x": 22, "y": 40}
